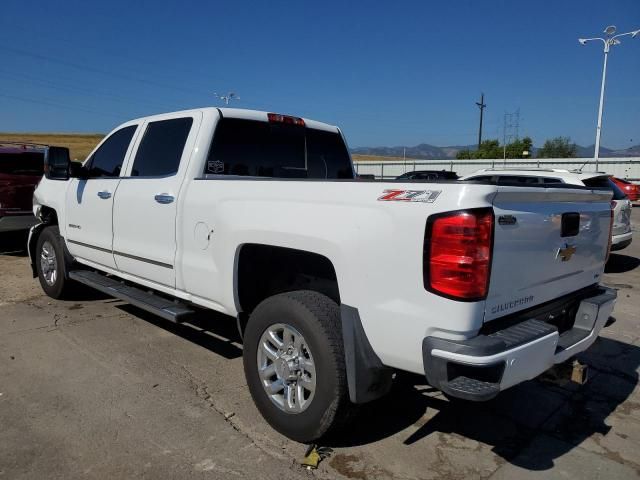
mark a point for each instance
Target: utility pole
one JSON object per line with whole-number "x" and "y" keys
{"x": 481, "y": 105}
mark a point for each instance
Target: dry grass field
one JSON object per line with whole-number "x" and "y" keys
{"x": 375, "y": 158}
{"x": 80, "y": 144}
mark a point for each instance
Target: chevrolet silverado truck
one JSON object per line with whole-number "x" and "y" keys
{"x": 334, "y": 282}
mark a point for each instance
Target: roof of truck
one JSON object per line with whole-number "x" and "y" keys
{"x": 243, "y": 113}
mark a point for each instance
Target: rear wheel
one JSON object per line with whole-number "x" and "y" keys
{"x": 52, "y": 264}
{"x": 294, "y": 364}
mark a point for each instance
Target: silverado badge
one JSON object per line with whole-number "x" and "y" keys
{"x": 566, "y": 252}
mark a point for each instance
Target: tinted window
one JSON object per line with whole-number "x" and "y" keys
{"x": 161, "y": 148}
{"x": 605, "y": 182}
{"x": 327, "y": 155}
{"x": 262, "y": 149}
{"x": 517, "y": 180}
{"x": 108, "y": 159}
{"x": 481, "y": 179}
{"x": 551, "y": 180}
{"x": 27, "y": 163}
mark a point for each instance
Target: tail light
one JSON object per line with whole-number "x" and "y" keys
{"x": 287, "y": 119}
{"x": 457, "y": 254}
{"x": 613, "y": 206}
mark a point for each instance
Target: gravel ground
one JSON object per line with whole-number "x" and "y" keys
{"x": 95, "y": 388}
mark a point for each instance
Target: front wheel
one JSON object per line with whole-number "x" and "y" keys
{"x": 52, "y": 264}
{"x": 294, "y": 364}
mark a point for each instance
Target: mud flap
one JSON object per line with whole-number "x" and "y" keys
{"x": 367, "y": 377}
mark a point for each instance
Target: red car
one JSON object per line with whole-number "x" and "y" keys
{"x": 631, "y": 190}
{"x": 21, "y": 168}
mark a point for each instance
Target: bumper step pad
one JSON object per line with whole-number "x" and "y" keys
{"x": 168, "y": 309}
{"x": 472, "y": 387}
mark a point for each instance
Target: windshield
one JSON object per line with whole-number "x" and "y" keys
{"x": 27, "y": 163}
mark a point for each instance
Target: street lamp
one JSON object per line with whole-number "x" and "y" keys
{"x": 609, "y": 41}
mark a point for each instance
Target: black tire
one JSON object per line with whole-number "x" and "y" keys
{"x": 317, "y": 318}
{"x": 62, "y": 286}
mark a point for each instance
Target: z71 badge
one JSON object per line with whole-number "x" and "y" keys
{"x": 426, "y": 196}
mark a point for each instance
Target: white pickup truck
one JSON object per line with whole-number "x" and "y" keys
{"x": 334, "y": 281}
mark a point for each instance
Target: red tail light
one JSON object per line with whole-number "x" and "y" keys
{"x": 278, "y": 118}
{"x": 457, "y": 254}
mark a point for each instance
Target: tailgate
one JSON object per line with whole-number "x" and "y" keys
{"x": 532, "y": 261}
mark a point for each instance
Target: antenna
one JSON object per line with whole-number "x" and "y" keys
{"x": 226, "y": 98}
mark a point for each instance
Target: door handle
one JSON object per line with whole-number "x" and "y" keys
{"x": 104, "y": 194}
{"x": 164, "y": 198}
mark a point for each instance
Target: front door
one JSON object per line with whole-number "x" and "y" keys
{"x": 145, "y": 208}
{"x": 89, "y": 202}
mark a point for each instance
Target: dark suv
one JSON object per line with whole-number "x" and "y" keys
{"x": 21, "y": 168}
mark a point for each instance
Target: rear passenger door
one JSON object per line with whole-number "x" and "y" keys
{"x": 146, "y": 204}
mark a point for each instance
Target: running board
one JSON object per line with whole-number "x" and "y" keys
{"x": 167, "y": 309}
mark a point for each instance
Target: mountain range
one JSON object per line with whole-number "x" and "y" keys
{"x": 426, "y": 151}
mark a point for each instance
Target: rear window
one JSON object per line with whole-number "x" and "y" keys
{"x": 262, "y": 149}
{"x": 27, "y": 163}
{"x": 605, "y": 182}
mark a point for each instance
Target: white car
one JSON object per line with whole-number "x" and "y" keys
{"x": 621, "y": 233}
{"x": 334, "y": 282}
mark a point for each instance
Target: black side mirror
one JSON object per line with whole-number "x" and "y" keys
{"x": 56, "y": 163}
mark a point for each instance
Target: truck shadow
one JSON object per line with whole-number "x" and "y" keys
{"x": 619, "y": 263}
{"x": 563, "y": 411}
{"x": 214, "y": 331}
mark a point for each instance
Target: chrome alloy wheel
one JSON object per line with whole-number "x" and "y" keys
{"x": 48, "y": 263}
{"x": 286, "y": 368}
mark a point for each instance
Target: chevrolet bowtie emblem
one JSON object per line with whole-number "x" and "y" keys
{"x": 566, "y": 252}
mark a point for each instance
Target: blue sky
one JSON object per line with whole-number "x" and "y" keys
{"x": 388, "y": 73}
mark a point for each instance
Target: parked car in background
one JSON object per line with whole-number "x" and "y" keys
{"x": 428, "y": 175}
{"x": 631, "y": 190}
{"x": 21, "y": 168}
{"x": 621, "y": 234}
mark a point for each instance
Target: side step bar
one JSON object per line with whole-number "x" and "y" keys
{"x": 167, "y": 309}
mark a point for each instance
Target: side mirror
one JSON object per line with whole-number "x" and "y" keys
{"x": 56, "y": 163}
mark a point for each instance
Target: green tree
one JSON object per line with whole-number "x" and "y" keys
{"x": 492, "y": 149}
{"x": 558, "y": 147}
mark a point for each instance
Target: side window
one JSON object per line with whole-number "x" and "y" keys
{"x": 518, "y": 180}
{"x": 548, "y": 180}
{"x": 108, "y": 159}
{"x": 161, "y": 148}
{"x": 486, "y": 178}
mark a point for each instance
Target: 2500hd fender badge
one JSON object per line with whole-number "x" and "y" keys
{"x": 425, "y": 196}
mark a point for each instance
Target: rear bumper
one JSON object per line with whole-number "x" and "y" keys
{"x": 12, "y": 223}
{"x": 618, "y": 242}
{"x": 480, "y": 367}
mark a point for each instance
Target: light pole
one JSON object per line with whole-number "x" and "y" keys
{"x": 609, "y": 41}
{"x": 227, "y": 98}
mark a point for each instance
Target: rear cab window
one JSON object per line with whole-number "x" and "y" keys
{"x": 276, "y": 150}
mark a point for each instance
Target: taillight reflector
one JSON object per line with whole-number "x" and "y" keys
{"x": 457, "y": 254}
{"x": 287, "y": 119}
